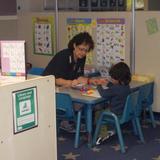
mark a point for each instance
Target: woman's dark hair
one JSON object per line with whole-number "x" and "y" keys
{"x": 121, "y": 72}
{"x": 81, "y": 38}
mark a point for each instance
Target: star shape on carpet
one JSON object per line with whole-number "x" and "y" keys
{"x": 71, "y": 156}
{"x": 127, "y": 131}
{"x": 145, "y": 126}
{"x": 139, "y": 141}
{"x": 117, "y": 147}
{"x": 95, "y": 149}
{"x": 157, "y": 140}
{"x": 61, "y": 139}
{"x": 156, "y": 158}
{"x": 158, "y": 122}
{"x": 84, "y": 138}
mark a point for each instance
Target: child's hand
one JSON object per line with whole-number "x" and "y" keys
{"x": 99, "y": 81}
{"x": 94, "y": 81}
{"x": 103, "y": 81}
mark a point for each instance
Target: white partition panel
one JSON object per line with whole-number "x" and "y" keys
{"x": 147, "y": 60}
{"x": 38, "y": 143}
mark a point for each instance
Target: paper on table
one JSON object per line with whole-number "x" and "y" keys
{"x": 93, "y": 93}
{"x": 79, "y": 86}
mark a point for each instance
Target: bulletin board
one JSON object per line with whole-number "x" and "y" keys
{"x": 77, "y": 25}
{"x": 78, "y": 21}
{"x": 146, "y": 47}
{"x": 110, "y": 42}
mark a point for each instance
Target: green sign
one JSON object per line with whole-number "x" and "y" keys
{"x": 25, "y": 109}
{"x": 152, "y": 26}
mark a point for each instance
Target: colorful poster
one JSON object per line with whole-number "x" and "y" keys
{"x": 12, "y": 58}
{"x": 77, "y": 25}
{"x": 25, "y": 109}
{"x": 110, "y": 42}
{"x": 43, "y": 35}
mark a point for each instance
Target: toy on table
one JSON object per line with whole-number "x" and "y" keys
{"x": 86, "y": 90}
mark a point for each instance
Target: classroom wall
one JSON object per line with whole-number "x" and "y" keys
{"x": 8, "y": 27}
{"x": 25, "y": 22}
{"x": 146, "y": 48}
{"x": 29, "y": 5}
{"x": 147, "y": 60}
{"x": 145, "y": 44}
{"x": 24, "y": 28}
{"x": 62, "y": 29}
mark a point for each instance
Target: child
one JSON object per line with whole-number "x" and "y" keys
{"x": 116, "y": 93}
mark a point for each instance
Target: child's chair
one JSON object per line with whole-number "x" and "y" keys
{"x": 146, "y": 100}
{"x": 64, "y": 111}
{"x": 36, "y": 71}
{"x": 128, "y": 114}
{"x": 146, "y": 95}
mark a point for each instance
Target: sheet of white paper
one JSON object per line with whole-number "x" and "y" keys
{"x": 94, "y": 94}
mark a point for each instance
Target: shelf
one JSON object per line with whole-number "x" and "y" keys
{"x": 9, "y": 17}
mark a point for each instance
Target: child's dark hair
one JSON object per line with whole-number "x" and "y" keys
{"x": 82, "y": 37}
{"x": 121, "y": 72}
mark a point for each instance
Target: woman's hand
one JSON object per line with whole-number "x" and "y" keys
{"x": 74, "y": 83}
{"x": 98, "y": 81}
{"x": 83, "y": 80}
{"x": 67, "y": 83}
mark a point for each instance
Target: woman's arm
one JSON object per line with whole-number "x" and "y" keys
{"x": 66, "y": 83}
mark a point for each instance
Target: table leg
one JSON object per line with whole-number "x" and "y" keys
{"x": 89, "y": 124}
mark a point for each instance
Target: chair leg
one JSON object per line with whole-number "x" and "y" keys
{"x": 134, "y": 128}
{"x": 120, "y": 136}
{"x": 98, "y": 126}
{"x": 140, "y": 133}
{"x": 77, "y": 134}
{"x": 58, "y": 125}
{"x": 152, "y": 117}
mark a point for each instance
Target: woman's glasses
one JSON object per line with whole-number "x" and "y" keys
{"x": 83, "y": 49}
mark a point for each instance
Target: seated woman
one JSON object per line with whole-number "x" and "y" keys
{"x": 68, "y": 65}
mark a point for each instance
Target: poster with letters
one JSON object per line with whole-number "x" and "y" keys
{"x": 110, "y": 42}
{"x": 77, "y": 25}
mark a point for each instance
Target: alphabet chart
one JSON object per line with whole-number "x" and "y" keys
{"x": 12, "y": 58}
{"x": 77, "y": 25}
{"x": 110, "y": 42}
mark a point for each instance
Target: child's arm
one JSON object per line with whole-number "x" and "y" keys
{"x": 98, "y": 81}
{"x": 105, "y": 93}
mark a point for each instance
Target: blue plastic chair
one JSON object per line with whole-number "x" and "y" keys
{"x": 128, "y": 114}
{"x": 36, "y": 71}
{"x": 146, "y": 100}
{"x": 64, "y": 111}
